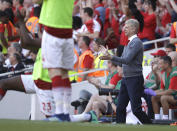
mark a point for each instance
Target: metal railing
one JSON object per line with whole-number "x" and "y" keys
{"x": 156, "y": 41}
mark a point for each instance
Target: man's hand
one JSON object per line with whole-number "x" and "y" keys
{"x": 20, "y": 16}
{"x": 106, "y": 55}
{"x": 94, "y": 81}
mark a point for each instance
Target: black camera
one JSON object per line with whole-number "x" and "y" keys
{"x": 104, "y": 91}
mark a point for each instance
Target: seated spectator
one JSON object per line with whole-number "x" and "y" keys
{"x": 86, "y": 59}
{"x": 155, "y": 74}
{"x": 170, "y": 48}
{"x": 98, "y": 64}
{"x": 13, "y": 48}
{"x": 15, "y": 61}
{"x": 168, "y": 91}
{"x": 98, "y": 103}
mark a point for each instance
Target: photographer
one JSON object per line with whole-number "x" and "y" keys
{"x": 100, "y": 104}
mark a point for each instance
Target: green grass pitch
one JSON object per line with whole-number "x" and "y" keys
{"x": 22, "y": 125}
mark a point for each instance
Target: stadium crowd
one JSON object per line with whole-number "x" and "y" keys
{"x": 98, "y": 29}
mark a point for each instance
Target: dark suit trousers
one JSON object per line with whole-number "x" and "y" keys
{"x": 131, "y": 90}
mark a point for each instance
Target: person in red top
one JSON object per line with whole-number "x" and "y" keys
{"x": 99, "y": 6}
{"x": 111, "y": 19}
{"x": 168, "y": 92}
{"x": 148, "y": 32}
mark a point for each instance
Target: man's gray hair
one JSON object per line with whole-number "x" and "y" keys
{"x": 134, "y": 23}
{"x": 17, "y": 46}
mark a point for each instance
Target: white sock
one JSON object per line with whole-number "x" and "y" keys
{"x": 157, "y": 116}
{"x": 67, "y": 100}
{"x": 58, "y": 94}
{"x": 80, "y": 118}
{"x": 165, "y": 117}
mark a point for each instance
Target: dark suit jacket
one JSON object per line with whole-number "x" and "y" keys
{"x": 18, "y": 67}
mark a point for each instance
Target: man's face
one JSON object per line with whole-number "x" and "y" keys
{"x": 168, "y": 50}
{"x": 84, "y": 16}
{"x": 95, "y": 46}
{"x": 11, "y": 50}
{"x": 128, "y": 29}
{"x": 162, "y": 65}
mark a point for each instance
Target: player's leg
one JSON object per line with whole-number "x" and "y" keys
{"x": 166, "y": 101}
{"x": 46, "y": 101}
{"x": 58, "y": 58}
{"x": 14, "y": 83}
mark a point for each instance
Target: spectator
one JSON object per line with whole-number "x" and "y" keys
{"x": 91, "y": 27}
{"x": 15, "y": 48}
{"x": 12, "y": 33}
{"x": 169, "y": 48}
{"x": 148, "y": 32}
{"x": 111, "y": 19}
{"x": 86, "y": 59}
{"x": 15, "y": 61}
{"x": 168, "y": 89}
{"x": 99, "y": 6}
{"x": 98, "y": 103}
{"x": 98, "y": 64}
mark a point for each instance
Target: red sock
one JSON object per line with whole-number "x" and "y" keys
{"x": 2, "y": 92}
{"x": 57, "y": 82}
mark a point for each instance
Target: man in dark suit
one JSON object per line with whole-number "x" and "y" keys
{"x": 132, "y": 85}
{"x": 15, "y": 61}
